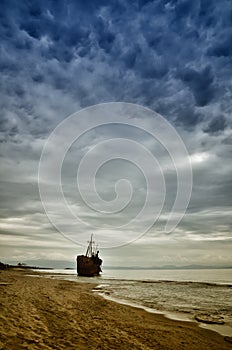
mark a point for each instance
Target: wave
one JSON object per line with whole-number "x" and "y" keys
{"x": 197, "y": 283}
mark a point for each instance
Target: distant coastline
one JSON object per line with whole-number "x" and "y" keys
{"x": 167, "y": 267}
{"x": 4, "y": 266}
{"x": 66, "y": 266}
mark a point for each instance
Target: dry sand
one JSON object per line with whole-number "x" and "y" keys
{"x": 42, "y": 313}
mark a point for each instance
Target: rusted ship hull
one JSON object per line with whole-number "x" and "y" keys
{"x": 88, "y": 266}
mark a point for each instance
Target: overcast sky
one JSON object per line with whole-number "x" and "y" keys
{"x": 172, "y": 56}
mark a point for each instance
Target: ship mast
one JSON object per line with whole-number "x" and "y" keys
{"x": 89, "y": 251}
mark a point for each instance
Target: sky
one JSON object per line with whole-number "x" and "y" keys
{"x": 171, "y": 56}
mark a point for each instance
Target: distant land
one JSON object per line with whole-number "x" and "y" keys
{"x": 69, "y": 265}
{"x": 167, "y": 267}
{"x": 4, "y": 266}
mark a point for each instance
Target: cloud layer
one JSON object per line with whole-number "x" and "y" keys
{"x": 174, "y": 57}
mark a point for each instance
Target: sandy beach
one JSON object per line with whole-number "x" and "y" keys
{"x": 43, "y": 313}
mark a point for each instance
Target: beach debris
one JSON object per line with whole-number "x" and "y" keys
{"x": 36, "y": 341}
{"x": 209, "y": 319}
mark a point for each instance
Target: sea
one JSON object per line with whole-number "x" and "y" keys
{"x": 203, "y": 294}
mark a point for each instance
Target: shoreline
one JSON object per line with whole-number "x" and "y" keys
{"x": 60, "y": 314}
{"x": 222, "y": 329}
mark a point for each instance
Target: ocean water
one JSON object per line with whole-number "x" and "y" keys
{"x": 179, "y": 294}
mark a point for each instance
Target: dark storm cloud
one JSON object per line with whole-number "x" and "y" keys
{"x": 201, "y": 84}
{"x": 216, "y": 125}
{"x": 187, "y": 116}
{"x": 141, "y": 45}
{"x": 173, "y": 56}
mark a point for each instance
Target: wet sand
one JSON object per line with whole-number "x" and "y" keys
{"x": 42, "y": 313}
